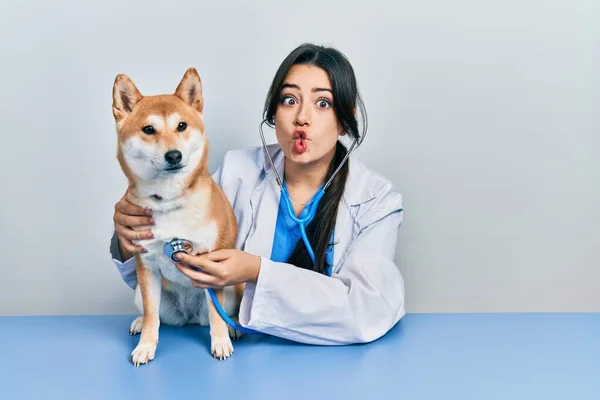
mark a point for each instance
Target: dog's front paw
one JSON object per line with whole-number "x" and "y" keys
{"x": 136, "y": 325}
{"x": 143, "y": 353}
{"x": 221, "y": 347}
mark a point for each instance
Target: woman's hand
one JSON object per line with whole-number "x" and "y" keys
{"x": 220, "y": 268}
{"x": 128, "y": 216}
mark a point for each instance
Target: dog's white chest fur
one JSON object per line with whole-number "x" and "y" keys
{"x": 190, "y": 220}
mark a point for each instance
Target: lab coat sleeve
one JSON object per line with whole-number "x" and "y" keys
{"x": 127, "y": 268}
{"x": 359, "y": 304}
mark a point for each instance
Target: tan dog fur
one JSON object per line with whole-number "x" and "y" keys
{"x": 190, "y": 205}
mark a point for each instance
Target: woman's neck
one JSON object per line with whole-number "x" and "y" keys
{"x": 306, "y": 176}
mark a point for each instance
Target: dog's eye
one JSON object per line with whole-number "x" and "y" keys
{"x": 148, "y": 130}
{"x": 181, "y": 127}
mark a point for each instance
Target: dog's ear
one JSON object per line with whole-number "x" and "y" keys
{"x": 190, "y": 90}
{"x": 125, "y": 96}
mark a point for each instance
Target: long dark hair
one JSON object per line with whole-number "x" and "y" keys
{"x": 346, "y": 102}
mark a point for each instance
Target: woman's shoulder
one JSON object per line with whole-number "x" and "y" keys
{"x": 365, "y": 187}
{"x": 374, "y": 194}
{"x": 242, "y": 168}
{"x": 245, "y": 157}
{"x": 243, "y": 162}
{"x": 366, "y": 184}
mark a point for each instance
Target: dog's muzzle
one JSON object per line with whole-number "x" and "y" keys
{"x": 177, "y": 245}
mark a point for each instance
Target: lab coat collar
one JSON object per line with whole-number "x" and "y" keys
{"x": 264, "y": 203}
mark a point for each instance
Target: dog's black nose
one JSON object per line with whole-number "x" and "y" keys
{"x": 173, "y": 157}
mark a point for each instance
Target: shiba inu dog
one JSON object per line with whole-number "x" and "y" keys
{"x": 163, "y": 151}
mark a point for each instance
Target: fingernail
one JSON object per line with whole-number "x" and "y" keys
{"x": 178, "y": 256}
{"x": 148, "y": 211}
{"x": 152, "y": 220}
{"x": 144, "y": 250}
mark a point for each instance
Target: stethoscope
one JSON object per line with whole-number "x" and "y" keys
{"x": 177, "y": 245}
{"x": 313, "y": 202}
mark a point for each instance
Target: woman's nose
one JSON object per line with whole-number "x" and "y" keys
{"x": 302, "y": 116}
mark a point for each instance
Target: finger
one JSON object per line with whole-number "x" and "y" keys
{"x": 208, "y": 266}
{"x": 200, "y": 277}
{"x": 200, "y": 285}
{"x": 124, "y": 206}
{"x": 131, "y": 220}
{"x": 129, "y": 246}
{"x": 217, "y": 255}
{"x": 132, "y": 234}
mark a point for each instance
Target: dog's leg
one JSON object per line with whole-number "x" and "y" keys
{"x": 238, "y": 293}
{"x": 150, "y": 288}
{"x": 136, "y": 326}
{"x": 221, "y": 346}
{"x": 169, "y": 313}
{"x": 234, "y": 333}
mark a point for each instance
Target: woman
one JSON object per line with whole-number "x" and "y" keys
{"x": 353, "y": 292}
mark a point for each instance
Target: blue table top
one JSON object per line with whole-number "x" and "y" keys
{"x": 426, "y": 356}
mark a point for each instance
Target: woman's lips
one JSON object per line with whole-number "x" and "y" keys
{"x": 300, "y": 144}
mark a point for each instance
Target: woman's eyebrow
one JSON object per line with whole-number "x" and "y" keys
{"x": 290, "y": 85}
{"x": 294, "y": 86}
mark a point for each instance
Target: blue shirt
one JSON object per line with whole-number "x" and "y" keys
{"x": 287, "y": 234}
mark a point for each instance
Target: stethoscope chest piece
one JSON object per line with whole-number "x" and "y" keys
{"x": 177, "y": 245}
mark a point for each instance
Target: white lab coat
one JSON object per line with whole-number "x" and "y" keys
{"x": 364, "y": 297}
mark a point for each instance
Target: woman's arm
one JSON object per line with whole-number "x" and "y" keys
{"x": 125, "y": 265}
{"x": 357, "y": 305}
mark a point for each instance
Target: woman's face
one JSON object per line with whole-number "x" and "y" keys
{"x": 305, "y": 123}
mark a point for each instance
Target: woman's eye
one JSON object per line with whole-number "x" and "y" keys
{"x": 148, "y": 130}
{"x": 288, "y": 101}
{"x": 324, "y": 103}
{"x": 181, "y": 127}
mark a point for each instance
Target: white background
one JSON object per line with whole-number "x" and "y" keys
{"x": 484, "y": 114}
